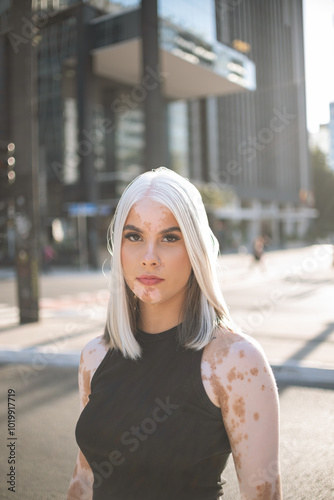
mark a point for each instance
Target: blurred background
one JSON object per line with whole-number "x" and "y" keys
{"x": 94, "y": 92}
{"x": 236, "y": 95}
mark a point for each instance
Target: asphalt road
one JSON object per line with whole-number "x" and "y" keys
{"x": 46, "y": 403}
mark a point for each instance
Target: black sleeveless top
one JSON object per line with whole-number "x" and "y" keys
{"x": 149, "y": 430}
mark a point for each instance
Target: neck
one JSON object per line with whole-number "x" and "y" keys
{"x": 156, "y": 318}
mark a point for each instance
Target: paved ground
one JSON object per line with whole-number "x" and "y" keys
{"x": 47, "y": 411}
{"x": 288, "y": 307}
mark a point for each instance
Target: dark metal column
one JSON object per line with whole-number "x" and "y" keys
{"x": 23, "y": 127}
{"x": 154, "y": 103}
{"x": 86, "y": 137}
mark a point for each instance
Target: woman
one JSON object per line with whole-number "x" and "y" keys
{"x": 172, "y": 387}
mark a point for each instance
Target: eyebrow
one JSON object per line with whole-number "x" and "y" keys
{"x": 164, "y": 231}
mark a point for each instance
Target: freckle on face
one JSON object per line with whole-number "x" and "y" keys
{"x": 256, "y": 416}
{"x": 254, "y": 371}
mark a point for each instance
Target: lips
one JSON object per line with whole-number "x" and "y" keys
{"x": 149, "y": 280}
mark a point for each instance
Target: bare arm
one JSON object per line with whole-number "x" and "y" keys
{"x": 81, "y": 485}
{"x": 246, "y": 391}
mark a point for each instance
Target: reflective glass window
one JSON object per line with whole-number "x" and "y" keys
{"x": 178, "y": 137}
{"x": 114, "y": 6}
{"x": 195, "y": 16}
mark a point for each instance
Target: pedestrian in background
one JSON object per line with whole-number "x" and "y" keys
{"x": 172, "y": 387}
{"x": 258, "y": 251}
{"x": 49, "y": 256}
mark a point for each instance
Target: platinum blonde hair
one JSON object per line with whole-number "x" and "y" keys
{"x": 204, "y": 307}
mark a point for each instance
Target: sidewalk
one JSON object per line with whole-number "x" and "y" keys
{"x": 68, "y": 323}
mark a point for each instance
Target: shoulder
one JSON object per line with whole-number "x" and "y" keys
{"x": 92, "y": 354}
{"x": 233, "y": 360}
{"x": 235, "y": 347}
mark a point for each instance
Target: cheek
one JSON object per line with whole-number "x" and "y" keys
{"x": 127, "y": 258}
{"x": 183, "y": 266}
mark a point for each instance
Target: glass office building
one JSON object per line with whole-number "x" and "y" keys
{"x": 231, "y": 83}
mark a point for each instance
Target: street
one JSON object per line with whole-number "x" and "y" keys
{"x": 287, "y": 307}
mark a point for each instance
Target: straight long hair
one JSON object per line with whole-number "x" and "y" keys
{"x": 204, "y": 307}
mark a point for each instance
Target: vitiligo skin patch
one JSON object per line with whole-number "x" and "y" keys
{"x": 236, "y": 376}
{"x": 81, "y": 484}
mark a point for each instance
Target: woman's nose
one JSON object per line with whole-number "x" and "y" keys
{"x": 150, "y": 257}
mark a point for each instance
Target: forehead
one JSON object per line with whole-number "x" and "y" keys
{"x": 149, "y": 212}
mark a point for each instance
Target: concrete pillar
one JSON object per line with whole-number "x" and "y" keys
{"x": 85, "y": 101}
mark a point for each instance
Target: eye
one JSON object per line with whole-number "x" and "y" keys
{"x": 170, "y": 238}
{"x": 132, "y": 236}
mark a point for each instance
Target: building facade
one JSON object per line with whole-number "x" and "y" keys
{"x": 211, "y": 89}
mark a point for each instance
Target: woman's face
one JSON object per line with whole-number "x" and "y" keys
{"x": 155, "y": 261}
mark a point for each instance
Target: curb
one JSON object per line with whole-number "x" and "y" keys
{"x": 294, "y": 374}
{"x": 286, "y": 373}
{"x": 39, "y": 358}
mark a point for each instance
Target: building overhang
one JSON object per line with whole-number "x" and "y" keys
{"x": 190, "y": 67}
{"x": 182, "y": 79}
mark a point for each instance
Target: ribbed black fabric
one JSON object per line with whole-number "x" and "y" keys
{"x": 149, "y": 430}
